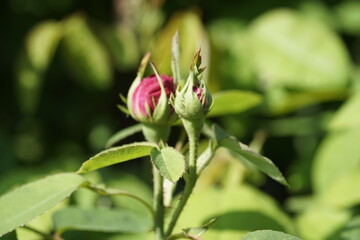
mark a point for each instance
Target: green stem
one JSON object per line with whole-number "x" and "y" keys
{"x": 117, "y": 192}
{"x": 158, "y": 204}
{"x": 155, "y": 134}
{"x": 193, "y": 129}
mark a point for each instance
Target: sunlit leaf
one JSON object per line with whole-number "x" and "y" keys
{"x": 298, "y": 52}
{"x": 344, "y": 192}
{"x": 103, "y": 220}
{"x": 248, "y": 156}
{"x": 169, "y": 162}
{"x": 348, "y": 17}
{"x": 230, "y": 53}
{"x": 240, "y": 209}
{"x": 42, "y": 42}
{"x": 123, "y": 46}
{"x": 85, "y": 56}
{"x": 233, "y": 102}
{"x": 337, "y": 156}
{"x": 117, "y": 155}
{"x": 268, "y": 235}
{"x": 321, "y": 222}
{"x": 349, "y": 114}
{"x": 279, "y": 101}
{"x": 42, "y": 223}
{"x": 31, "y": 200}
{"x": 192, "y": 38}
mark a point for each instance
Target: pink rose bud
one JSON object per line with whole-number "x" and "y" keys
{"x": 149, "y": 101}
{"x": 148, "y": 93}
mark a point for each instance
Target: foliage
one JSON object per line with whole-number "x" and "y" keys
{"x": 285, "y": 81}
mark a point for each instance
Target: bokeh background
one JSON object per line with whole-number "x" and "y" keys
{"x": 64, "y": 63}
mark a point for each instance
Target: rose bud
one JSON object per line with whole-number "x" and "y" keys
{"x": 148, "y": 99}
{"x": 194, "y": 100}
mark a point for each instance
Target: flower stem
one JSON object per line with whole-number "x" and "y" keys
{"x": 193, "y": 129}
{"x": 155, "y": 134}
{"x": 158, "y": 205}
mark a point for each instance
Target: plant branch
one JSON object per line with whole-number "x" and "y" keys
{"x": 115, "y": 192}
{"x": 157, "y": 134}
{"x": 158, "y": 204}
{"x": 193, "y": 130}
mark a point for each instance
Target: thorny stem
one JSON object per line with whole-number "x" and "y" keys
{"x": 115, "y": 192}
{"x": 155, "y": 134}
{"x": 193, "y": 129}
{"x": 158, "y": 204}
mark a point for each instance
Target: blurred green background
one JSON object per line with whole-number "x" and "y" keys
{"x": 64, "y": 63}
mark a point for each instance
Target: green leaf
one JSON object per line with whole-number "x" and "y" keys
{"x": 192, "y": 38}
{"x": 122, "y": 44}
{"x": 347, "y": 13}
{"x": 103, "y": 220}
{"x": 31, "y": 200}
{"x": 321, "y": 222}
{"x": 294, "y": 51}
{"x": 122, "y": 134}
{"x": 352, "y": 230}
{"x": 281, "y": 101}
{"x": 42, "y": 42}
{"x": 85, "y": 57}
{"x": 117, "y": 155}
{"x": 233, "y": 102}
{"x": 247, "y": 156}
{"x": 169, "y": 162}
{"x": 198, "y": 231}
{"x": 175, "y": 58}
{"x": 349, "y": 114}
{"x": 337, "y": 156}
{"x": 42, "y": 223}
{"x": 240, "y": 209}
{"x": 230, "y": 45}
{"x": 319, "y": 11}
{"x": 205, "y": 157}
{"x": 268, "y": 235}
{"x": 345, "y": 191}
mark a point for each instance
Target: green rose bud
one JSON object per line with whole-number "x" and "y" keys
{"x": 194, "y": 100}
